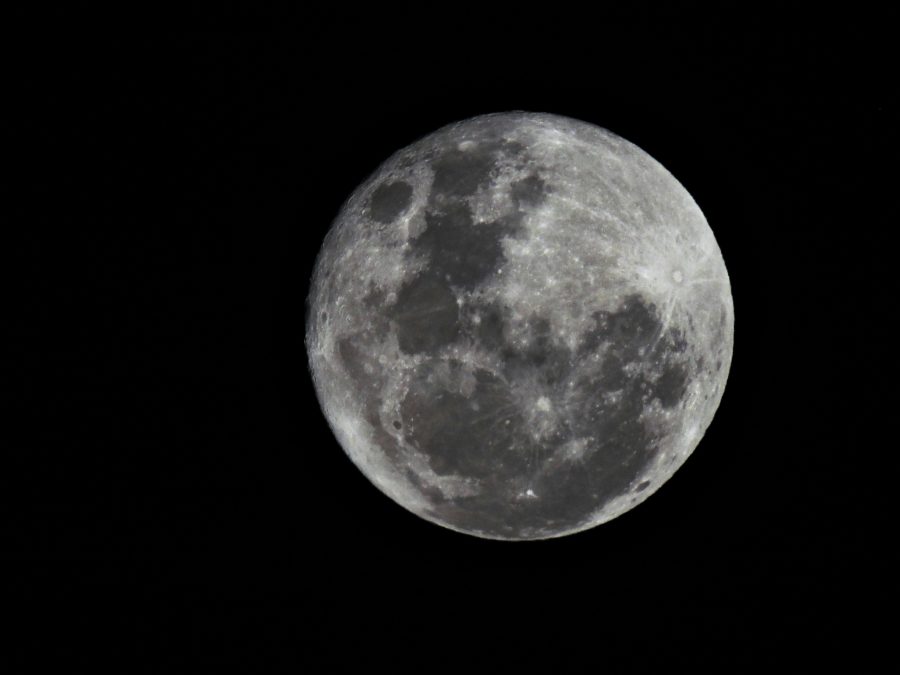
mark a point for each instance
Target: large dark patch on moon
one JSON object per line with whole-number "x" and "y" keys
{"x": 459, "y": 173}
{"x": 426, "y": 314}
{"x": 466, "y": 422}
{"x": 461, "y": 252}
{"x": 479, "y": 431}
{"x": 389, "y": 200}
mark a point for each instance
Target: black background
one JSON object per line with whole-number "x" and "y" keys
{"x": 162, "y": 445}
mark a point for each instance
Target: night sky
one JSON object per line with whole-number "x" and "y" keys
{"x": 161, "y": 442}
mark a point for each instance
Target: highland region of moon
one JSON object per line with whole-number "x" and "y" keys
{"x": 519, "y": 326}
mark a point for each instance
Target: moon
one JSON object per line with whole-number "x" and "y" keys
{"x": 520, "y": 326}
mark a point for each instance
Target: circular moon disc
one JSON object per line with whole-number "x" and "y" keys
{"x": 519, "y": 326}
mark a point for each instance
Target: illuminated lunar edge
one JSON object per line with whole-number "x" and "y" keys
{"x": 542, "y": 310}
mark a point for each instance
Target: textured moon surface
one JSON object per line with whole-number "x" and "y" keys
{"x": 520, "y": 326}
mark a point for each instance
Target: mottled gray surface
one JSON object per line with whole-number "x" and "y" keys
{"x": 520, "y": 326}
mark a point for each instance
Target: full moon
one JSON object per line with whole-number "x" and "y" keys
{"x": 520, "y": 326}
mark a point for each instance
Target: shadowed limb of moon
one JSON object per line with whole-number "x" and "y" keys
{"x": 519, "y": 326}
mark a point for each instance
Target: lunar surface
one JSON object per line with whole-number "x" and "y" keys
{"x": 520, "y": 326}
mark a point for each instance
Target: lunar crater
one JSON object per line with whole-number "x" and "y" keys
{"x": 520, "y": 327}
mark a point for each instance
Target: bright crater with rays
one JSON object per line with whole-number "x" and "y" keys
{"x": 520, "y": 326}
